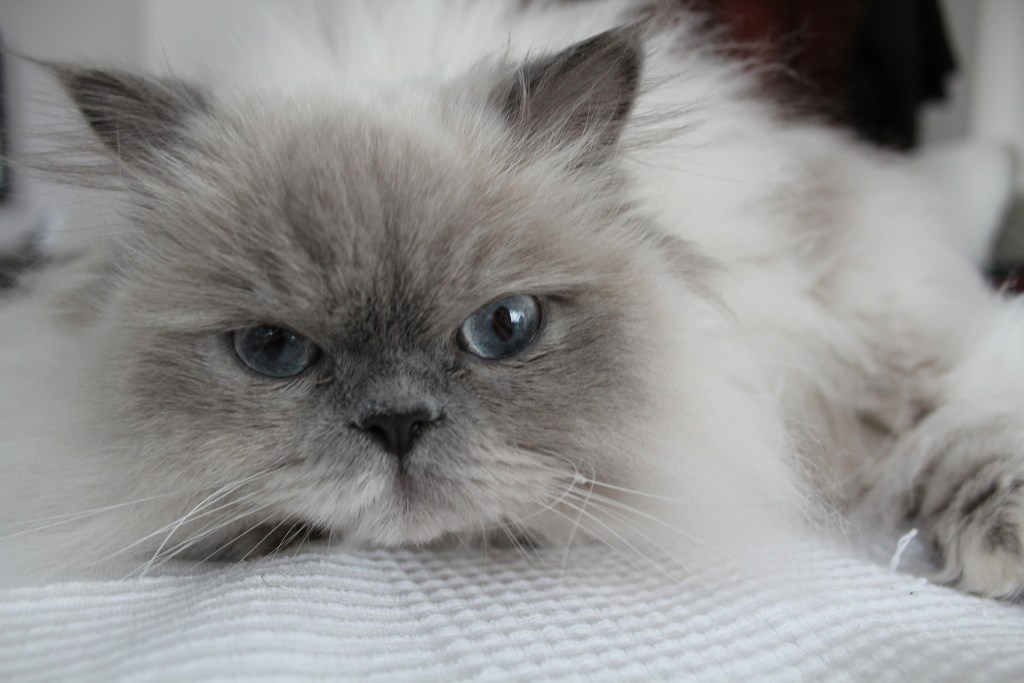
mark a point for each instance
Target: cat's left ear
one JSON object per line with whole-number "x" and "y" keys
{"x": 580, "y": 97}
{"x": 132, "y": 115}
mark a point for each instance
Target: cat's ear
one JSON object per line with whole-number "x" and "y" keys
{"x": 132, "y": 115}
{"x": 581, "y": 96}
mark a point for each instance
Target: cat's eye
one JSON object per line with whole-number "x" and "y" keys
{"x": 275, "y": 352}
{"x": 502, "y": 328}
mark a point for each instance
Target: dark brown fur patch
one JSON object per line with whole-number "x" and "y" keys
{"x": 1004, "y": 536}
{"x": 955, "y": 490}
{"x": 980, "y": 499}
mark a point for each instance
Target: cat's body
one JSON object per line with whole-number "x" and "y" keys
{"x": 744, "y": 321}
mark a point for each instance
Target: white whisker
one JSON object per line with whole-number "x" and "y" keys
{"x": 626, "y": 556}
{"x": 217, "y": 495}
{"x": 207, "y": 530}
{"x": 71, "y": 517}
{"x": 294, "y": 531}
{"x": 628, "y": 509}
{"x": 260, "y": 542}
{"x": 579, "y": 515}
{"x": 227, "y": 523}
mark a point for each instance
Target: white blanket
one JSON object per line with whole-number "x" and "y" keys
{"x": 459, "y": 615}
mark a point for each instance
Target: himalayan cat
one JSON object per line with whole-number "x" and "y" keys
{"x": 403, "y": 273}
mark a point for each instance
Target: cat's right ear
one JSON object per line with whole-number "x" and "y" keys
{"x": 132, "y": 115}
{"x": 579, "y": 98}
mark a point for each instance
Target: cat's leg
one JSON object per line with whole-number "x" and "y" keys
{"x": 958, "y": 475}
{"x": 968, "y": 499}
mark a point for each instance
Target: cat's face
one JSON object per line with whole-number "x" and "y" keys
{"x": 456, "y": 321}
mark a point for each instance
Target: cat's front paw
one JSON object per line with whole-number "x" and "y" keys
{"x": 979, "y": 535}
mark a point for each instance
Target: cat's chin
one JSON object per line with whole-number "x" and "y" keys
{"x": 286, "y": 538}
{"x": 271, "y": 539}
{"x": 410, "y": 515}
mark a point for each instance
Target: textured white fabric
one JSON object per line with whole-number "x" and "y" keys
{"x": 459, "y": 615}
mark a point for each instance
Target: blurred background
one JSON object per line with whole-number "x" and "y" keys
{"x": 902, "y": 73}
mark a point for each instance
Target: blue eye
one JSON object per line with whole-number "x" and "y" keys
{"x": 275, "y": 352}
{"x": 502, "y": 328}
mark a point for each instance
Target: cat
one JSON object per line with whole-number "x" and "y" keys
{"x": 403, "y": 274}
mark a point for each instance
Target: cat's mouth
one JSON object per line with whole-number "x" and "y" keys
{"x": 405, "y": 485}
{"x": 415, "y": 481}
{"x": 415, "y": 500}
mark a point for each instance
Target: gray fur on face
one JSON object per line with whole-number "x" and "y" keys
{"x": 376, "y": 236}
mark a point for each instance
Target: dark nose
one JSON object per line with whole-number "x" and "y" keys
{"x": 396, "y": 432}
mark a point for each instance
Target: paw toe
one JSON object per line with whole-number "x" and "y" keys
{"x": 991, "y": 549}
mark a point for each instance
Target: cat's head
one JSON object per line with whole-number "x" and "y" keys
{"x": 395, "y": 318}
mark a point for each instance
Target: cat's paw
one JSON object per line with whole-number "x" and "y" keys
{"x": 979, "y": 535}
